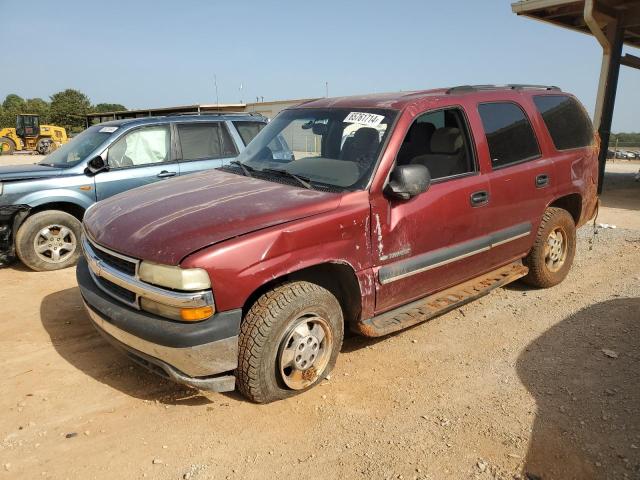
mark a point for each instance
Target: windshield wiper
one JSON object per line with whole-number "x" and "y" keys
{"x": 246, "y": 170}
{"x": 304, "y": 181}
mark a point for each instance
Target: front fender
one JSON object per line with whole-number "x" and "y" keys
{"x": 58, "y": 195}
{"x": 240, "y": 266}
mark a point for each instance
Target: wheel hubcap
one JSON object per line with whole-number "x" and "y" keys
{"x": 55, "y": 243}
{"x": 556, "y": 249}
{"x": 305, "y": 351}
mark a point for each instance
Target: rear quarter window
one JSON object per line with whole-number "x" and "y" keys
{"x": 509, "y": 133}
{"x": 567, "y": 122}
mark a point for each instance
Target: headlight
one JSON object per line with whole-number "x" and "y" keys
{"x": 176, "y": 278}
{"x": 0, "y": 188}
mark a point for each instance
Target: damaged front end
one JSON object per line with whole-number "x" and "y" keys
{"x": 11, "y": 216}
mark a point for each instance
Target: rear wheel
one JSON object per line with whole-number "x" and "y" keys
{"x": 49, "y": 240}
{"x": 289, "y": 341}
{"x": 45, "y": 146}
{"x": 7, "y": 146}
{"x": 551, "y": 257}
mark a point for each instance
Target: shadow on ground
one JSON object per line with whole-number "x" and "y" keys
{"x": 585, "y": 376}
{"x": 621, "y": 191}
{"x": 76, "y": 340}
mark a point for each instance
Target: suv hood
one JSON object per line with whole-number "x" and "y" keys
{"x": 26, "y": 172}
{"x": 171, "y": 219}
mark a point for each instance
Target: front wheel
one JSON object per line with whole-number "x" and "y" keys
{"x": 289, "y": 341}
{"x": 49, "y": 240}
{"x": 551, "y": 257}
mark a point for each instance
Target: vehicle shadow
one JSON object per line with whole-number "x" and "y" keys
{"x": 584, "y": 374}
{"x": 621, "y": 191}
{"x": 77, "y": 341}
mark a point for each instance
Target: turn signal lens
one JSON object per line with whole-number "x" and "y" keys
{"x": 196, "y": 314}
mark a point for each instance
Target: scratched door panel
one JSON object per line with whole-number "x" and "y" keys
{"x": 411, "y": 238}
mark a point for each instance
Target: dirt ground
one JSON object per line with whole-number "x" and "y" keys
{"x": 520, "y": 384}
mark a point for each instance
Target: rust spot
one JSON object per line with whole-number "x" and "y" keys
{"x": 310, "y": 374}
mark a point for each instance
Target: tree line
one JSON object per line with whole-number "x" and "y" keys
{"x": 624, "y": 140}
{"x": 67, "y": 109}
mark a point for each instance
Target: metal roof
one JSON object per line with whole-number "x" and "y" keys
{"x": 570, "y": 14}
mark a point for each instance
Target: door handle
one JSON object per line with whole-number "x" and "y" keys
{"x": 479, "y": 198}
{"x": 166, "y": 174}
{"x": 542, "y": 180}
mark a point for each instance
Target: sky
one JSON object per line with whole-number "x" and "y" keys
{"x": 159, "y": 53}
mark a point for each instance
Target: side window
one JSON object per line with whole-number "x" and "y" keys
{"x": 567, "y": 122}
{"x": 144, "y": 146}
{"x": 509, "y": 133}
{"x": 248, "y": 130}
{"x": 440, "y": 141}
{"x": 205, "y": 140}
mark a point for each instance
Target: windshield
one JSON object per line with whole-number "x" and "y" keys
{"x": 332, "y": 147}
{"x": 79, "y": 147}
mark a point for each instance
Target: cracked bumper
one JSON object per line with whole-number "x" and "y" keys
{"x": 10, "y": 218}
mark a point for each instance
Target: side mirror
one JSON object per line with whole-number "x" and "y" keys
{"x": 407, "y": 181}
{"x": 95, "y": 166}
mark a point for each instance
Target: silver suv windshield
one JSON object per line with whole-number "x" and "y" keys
{"x": 331, "y": 147}
{"x": 78, "y": 147}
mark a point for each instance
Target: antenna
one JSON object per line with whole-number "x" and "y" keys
{"x": 326, "y": 89}
{"x": 215, "y": 82}
{"x": 240, "y": 89}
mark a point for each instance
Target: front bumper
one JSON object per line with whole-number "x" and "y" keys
{"x": 201, "y": 355}
{"x": 10, "y": 218}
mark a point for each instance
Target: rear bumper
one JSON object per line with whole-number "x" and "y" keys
{"x": 201, "y": 355}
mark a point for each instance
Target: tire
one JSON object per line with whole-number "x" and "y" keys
{"x": 49, "y": 240}
{"x": 44, "y": 146}
{"x": 281, "y": 352}
{"x": 551, "y": 257}
{"x": 7, "y": 146}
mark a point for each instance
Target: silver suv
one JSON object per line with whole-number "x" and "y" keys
{"x": 42, "y": 205}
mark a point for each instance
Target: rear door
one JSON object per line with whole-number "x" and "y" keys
{"x": 140, "y": 157}
{"x": 521, "y": 177}
{"x": 203, "y": 146}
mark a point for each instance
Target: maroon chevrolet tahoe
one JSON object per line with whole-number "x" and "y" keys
{"x": 371, "y": 213}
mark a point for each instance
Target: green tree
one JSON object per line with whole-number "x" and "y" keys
{"x": 69, "y": 108}
{"x": 13, "y": 105}
{"x": 108, "y": 107}
{"x": 38, "y": 106}
{"x": 13, "y": 102}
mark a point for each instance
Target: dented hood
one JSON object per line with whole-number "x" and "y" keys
{"x": 171, "y": 219}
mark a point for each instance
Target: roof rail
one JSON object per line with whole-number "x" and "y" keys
{"x": 217, "y": 112}
{"x": 511, "y": 86}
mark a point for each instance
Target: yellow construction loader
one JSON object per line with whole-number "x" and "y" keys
{"x": 30, "y": 136}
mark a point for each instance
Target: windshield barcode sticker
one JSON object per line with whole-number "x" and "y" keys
{"x": 361, "y": 118}
{"x": 108, "y": 129}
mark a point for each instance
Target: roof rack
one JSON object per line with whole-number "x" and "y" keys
{"x": 217, "y": 112}
{"x": 511, "y": 86}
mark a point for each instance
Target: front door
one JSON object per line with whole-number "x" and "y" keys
{"x": 438, "y": 238}
{"x": 140, "y": 157}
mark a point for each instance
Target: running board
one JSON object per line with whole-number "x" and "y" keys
{"x": 439, "y": 303}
